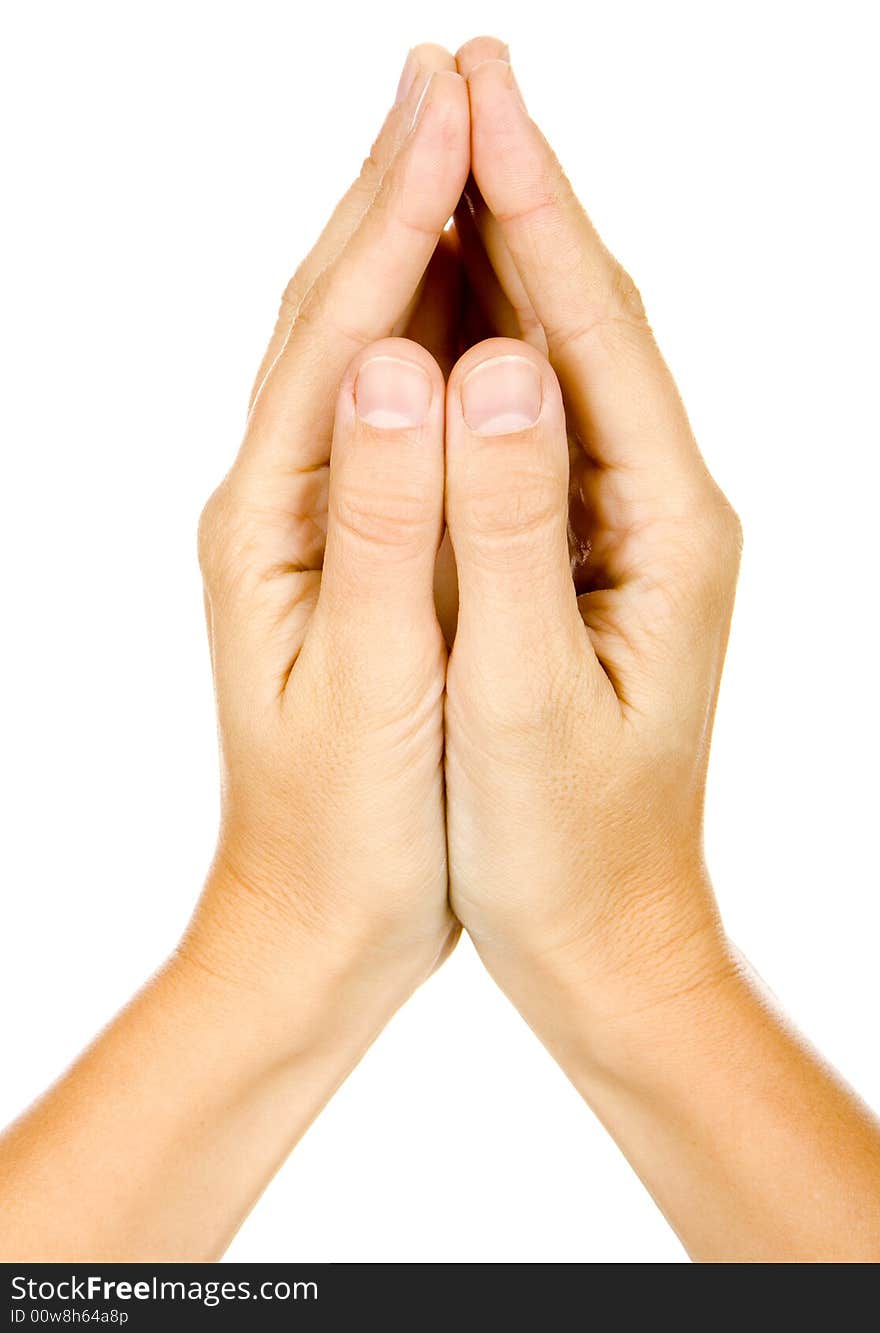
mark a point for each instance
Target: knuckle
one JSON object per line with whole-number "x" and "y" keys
{"x": 725, "y": 530}
{"x": 616, "y": 315}
{"x": 322, "y": 309}
{"x": 371, "y": 517}
{"x": 292, "y": 294}
{"x": 529, "y": 503}
{"x": 309, "y": 309}
{"x": 626, "y": 295}
{"x": 209, "y": 531}
{"x": 718, "y": 544}
{"x": 372, "y": 168}
{"x": 219, "y": 532}
{"x": 735, "y": 531}
{"x": 410, "y": 211}
{"x": 532, "y": 708}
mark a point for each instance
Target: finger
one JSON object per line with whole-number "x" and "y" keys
{"x": 625, "y": 405}
{"x": 478, "y": 49}
{"x": 385, "y": 511}
{"x": 507, "y": 508}
{"x": 360, "y": 296}
{"x": 421, "y": 62}
{"x": 473, "y": 217}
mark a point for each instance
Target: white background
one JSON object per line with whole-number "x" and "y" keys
{"x": 165, "y": 167}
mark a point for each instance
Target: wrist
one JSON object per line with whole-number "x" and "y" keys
{"x": 598, "y": 996}
{"x": 293, "y": 986}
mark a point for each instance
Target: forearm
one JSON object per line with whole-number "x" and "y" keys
{"x": 160, "y": 1138}
{"x": 755, "y": 1150}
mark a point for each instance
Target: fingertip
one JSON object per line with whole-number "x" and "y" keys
{"x": 478, "y": 49}
{"x": 492, "y": 86}
{"x": 445, "y": 96}
{"x": 392, "y": 394}
{"x": 507, "y": 478}
{"x": 430, "y": 55}
{"x": 506, "y": 445}
{"x": 501, "y": 131}
{"x": 503, "y": 386}
{"x": 385, "y": 498}
{"x": 440, "y": 139}
{"x": 421, "y": 63}
{"x": 403, "y": 348}
{"x": 393, "y": 384}
{"x": 494, "y": 69}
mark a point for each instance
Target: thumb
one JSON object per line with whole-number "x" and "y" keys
{"x": 385, "y": 503}
{"x": 507, "y": 509}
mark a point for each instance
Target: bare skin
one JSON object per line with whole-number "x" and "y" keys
{"x": 468, "y": 588}
{"x": 327, "y": 902}
{"x": 578, "y": 732}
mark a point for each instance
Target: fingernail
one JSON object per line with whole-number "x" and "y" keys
{"x": 392, "y": 394}
{"x": 502, "y": 396}
{"x": 407, "y": 79}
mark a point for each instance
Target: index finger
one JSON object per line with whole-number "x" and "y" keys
{"x": 363, "y": 292}
{"x": 627, "y": 410}
{"x": 420, "y": 64}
